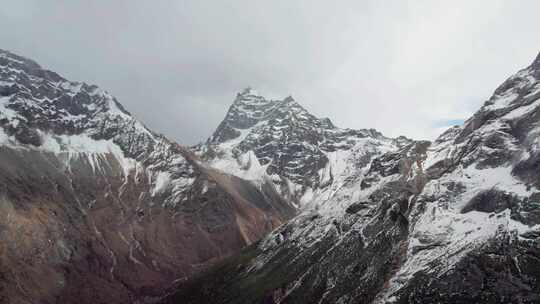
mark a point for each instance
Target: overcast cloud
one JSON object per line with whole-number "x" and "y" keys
{"x": 403, "y": 67}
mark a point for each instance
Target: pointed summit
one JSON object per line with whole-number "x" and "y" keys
{"x": 76, "y": 163}
{"x": 289, "y": 99}
{"x": 536, "y": 63}
{"x": 293, "y": 145}
{"x": 249, "y": 91}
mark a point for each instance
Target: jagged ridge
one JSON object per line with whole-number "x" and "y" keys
{"x": 94, "y": 207}
{"x": 303, "y": 155}
{"x": 454, "y": 221}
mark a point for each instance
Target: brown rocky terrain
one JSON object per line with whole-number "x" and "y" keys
{"x": 116, "y": 224}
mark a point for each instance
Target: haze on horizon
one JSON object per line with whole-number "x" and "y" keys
{"x": 403, "y": 67}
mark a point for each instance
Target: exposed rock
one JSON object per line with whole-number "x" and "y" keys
{"x": 96, "y": 208}
{"x": 491, "y": 201}
{"x": 302, "y": 154}
{"x": 355, "y": 207}
{"x": 455, "y": 221}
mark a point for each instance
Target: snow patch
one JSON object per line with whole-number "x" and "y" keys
{"x": 4, "y": 138}
{"x": 162, "y": 182}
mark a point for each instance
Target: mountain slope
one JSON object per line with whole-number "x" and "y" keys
{"x": 307, "y": 158}
{"x": 454, "y": 221}
{"x": 96, "y": 208}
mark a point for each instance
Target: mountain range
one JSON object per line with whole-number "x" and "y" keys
{"x": 96, "y": 208}
{"x": 277, "y": 206}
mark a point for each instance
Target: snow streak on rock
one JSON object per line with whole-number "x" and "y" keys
{"x": 307, "y": 158}
{"x": 105, "y": 210}
{"x": 453, "y": 221}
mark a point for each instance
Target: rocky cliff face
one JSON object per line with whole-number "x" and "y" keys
{"x": 306, "y": 157}
{"x": 453, "y": 221}
{"x": 96, "y": 208}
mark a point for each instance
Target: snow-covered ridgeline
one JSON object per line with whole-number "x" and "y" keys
{"x": 472, "y": 187}
{"x": 41, "y": 111}
{"x": 307, "y": 158}
{"x": 481, "y": 157}
{"x": 97, "y": 154}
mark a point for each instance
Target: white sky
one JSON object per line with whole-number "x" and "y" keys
{"x": 403, "y": 67}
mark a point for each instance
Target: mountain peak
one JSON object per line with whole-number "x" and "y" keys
{"x": 289, "y": 143}
{"x": 249, "y": 91}
{"x": 250, "y": 108}
{"x": 289, "y": 99}
{"x": 536, "y": 63}
{"x": 35, "y": 103}
{"x": 7, "y": 56}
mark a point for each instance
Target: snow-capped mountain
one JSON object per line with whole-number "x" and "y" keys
{"x": 40, "y": 110}
{"x": 307, "y": 158}
{"x": 96, "y": 208}
{"x": 453, "y": 221}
